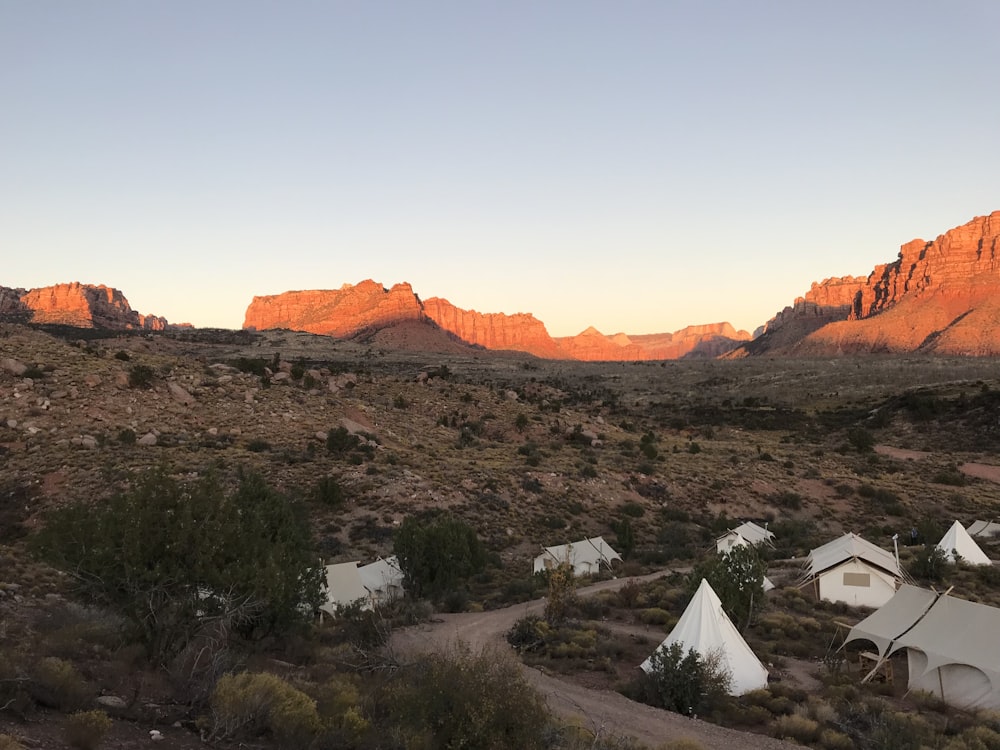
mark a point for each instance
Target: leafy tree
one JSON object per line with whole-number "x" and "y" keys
{"x": 737, "y": 578}
{"x": 437, "y": 554}
{"x": 176, "y": 557}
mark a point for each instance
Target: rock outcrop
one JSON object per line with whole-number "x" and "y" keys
{"x": 939, "y": 297}
{"x": 521, "y": 332}
{"x": 75, "y": 304}
{"x": 369, "y": 310}
{"x": 342, "y": 312}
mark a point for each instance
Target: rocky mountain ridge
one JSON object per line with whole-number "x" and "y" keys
{"x": 938, "y": 297}
{"x": 78, "y": 305}
{"x": 361, "y": 308}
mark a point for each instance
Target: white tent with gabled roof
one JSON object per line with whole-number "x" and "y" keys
{"x": 957, "y": 541}
{"x": 984, "y": 529}
{"x": 585, "y": 556}
{"x": 343, "y": 588}
{"x": 854, "y": 571}
{"x": 706, "y": 628}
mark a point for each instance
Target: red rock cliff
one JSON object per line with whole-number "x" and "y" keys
{"x": 521, "y": 332}
{"x": 941, "y": 297}
{"x": 341, "y": 312}
{"x": 75, "y": 304}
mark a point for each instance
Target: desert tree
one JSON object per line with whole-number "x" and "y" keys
{"x": 175, "y": 557}
{"x": 437, "y": 554}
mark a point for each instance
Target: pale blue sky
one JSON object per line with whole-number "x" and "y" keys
{"x": 636, "y": 166}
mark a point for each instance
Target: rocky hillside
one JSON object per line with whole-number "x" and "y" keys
{"x": 75, "y": 304}
{"x": 940, "y": 297}
{"x": 360, "y": 309}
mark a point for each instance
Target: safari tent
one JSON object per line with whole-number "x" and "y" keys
{"x": 343, "y": 587}
{"x": 984, "y": 529}
{"x": 382, "y": 580}
{"x": 957, "y": 542}
{"x": 706, "y": 628}
{"x": 585, "y": 556}
{"x": 853, "y": 571}
{"x": 950, "y": 645}
{"x": 745, "y": 533}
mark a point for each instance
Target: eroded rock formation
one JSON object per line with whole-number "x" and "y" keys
{"x": 75, "y": 304}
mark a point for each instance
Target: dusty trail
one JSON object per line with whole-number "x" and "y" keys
{"x": 599, "y": 710}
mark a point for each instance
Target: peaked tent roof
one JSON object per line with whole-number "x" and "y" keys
{"x": 381, "y": 575}
{"x": 847, "y": 547}
{"x": 892, "y": 619}
{"x": 753, "y": 533}
{"x": 706, "y": 628}
{"x": 585, "y": 551}
{"x": 957, "y": 539}
{"x": 984, "y": 528}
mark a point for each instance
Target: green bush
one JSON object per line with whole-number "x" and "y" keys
{"x": 251, "y": 704}
{"x": 685, "y": 681}
{"x": 87, "y": 729}
{"x": 465, "y": 699}
{"x": 140, "y": 376}
{"x": 328, "y": 492}
{"x": 437, "y": 554}
{"x": 340, "y": 440}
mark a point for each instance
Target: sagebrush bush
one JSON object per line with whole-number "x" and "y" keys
{"x": 253, "y": 703}
{"x": 795, "y": 727}
{"x": 56, "y": 683}
{"x": 9, "y": 743}
{"x": 87, "y": 729}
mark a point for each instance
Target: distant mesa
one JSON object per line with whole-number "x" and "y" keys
{"x": 938, "y": 297}
{"x": 361, "y": 309}
{"x": 78, "y": 305}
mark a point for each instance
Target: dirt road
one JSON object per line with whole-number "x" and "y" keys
{"x": 601, "y": 711}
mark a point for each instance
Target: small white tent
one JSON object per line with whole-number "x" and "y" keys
{"x": 853, "y": 571}
{"x": 984, "y": 529}
{"x": 343, "y": 587}
{"x": 706, "y": 628}
{"x": 585, "y": 556}
{"x": 745, "y": 533}
{"x": 957, "y": 541}
{"x": 382, "y": 580}
{"x": 950, "y": 645}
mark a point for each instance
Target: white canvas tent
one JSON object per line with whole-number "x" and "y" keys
{"x": 382, "y": 580}
{"x": 704, "y": 627}
{"x": 585, "y": 556}
{"x": 745, "y": 533}
{"x": 343, "y": 587}
{"x": 853, "y": 571}
{"x": 950, "y": 645}
{"x": 957, "y": 541}
{"x": 984, "y": 529}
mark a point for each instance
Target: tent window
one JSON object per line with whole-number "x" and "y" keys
{"x": 858, "y": 579}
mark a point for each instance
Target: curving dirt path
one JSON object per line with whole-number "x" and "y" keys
{"x": 988, "y": 472}
{"x": 602, "y": 711}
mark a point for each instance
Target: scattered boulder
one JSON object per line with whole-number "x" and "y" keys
{"x": 8, "y": 364}
{"x": 148, "y": 439}
{"x": 180, "y": 394}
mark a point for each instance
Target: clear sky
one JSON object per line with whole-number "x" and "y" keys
{"x": 635, "y": 166}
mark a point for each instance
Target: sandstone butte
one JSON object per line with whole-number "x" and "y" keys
{"x": 939, "y": 297}
{"x": 75, "y": 304}
{"x": 367, "y": 306}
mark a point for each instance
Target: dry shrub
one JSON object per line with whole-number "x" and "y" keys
{"x": 57, "y": 684}
{"x": 684, "y": 743}
{"x": 832, "y": 740}
{"x": 87, "y": 729}
{"x": 9, "y": 743}
{"x": 975, "y": 738}
{"x": 655, "y": 616}
{"x": 799, "y": 728}
{"x": 253, "y": 703}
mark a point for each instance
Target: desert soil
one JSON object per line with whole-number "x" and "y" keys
{"x": 602, "y": 711}
{"x": 979, "y": 471}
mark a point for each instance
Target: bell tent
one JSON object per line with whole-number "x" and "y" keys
{"x": 706, "y": 628}
{"x": 957, "y": 542}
